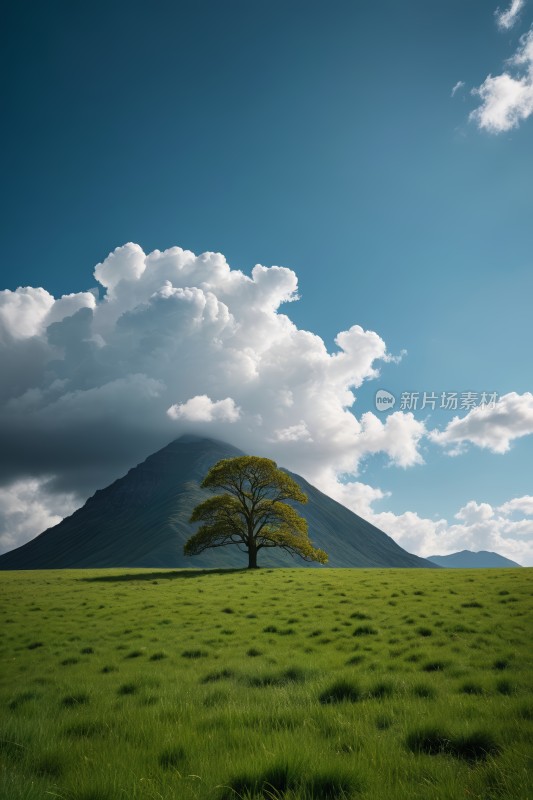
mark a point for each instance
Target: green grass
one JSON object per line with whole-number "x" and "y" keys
{"x": 279, "y": 684}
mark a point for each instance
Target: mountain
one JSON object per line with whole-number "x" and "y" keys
{"x": 466, "y": 559}
{"x": 142, "y": 520}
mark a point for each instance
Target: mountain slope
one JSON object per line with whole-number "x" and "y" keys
{"x": 142, "y": 520}
{"x": 466, "y": 559}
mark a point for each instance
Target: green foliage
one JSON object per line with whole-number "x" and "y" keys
{"x": 252, "y": 514}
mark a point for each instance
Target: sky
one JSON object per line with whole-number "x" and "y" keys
{"x": 246, "y": 219}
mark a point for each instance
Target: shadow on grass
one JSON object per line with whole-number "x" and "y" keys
{"x": 164, "y": 576}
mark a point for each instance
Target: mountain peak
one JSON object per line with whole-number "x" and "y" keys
{"x": 187, "y": 438}
{"x": 469, "y": 559}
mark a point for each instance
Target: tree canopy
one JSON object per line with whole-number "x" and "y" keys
{"x": 252, "y": 513}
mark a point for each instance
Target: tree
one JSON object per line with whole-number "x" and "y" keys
{"x": 252, "y": 513}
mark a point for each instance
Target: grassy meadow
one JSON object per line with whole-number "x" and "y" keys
{"x": 286, "y": 683}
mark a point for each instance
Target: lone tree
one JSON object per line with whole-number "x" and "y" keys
{"x": 252, "y": 513}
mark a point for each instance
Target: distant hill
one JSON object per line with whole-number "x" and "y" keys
{"x": 142, "y": 520}
{"x": 468, "y": 560}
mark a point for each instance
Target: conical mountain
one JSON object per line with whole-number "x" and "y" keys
{"x": 142, "y": 520}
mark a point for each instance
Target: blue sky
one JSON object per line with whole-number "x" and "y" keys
{"x": 322, "y": 137}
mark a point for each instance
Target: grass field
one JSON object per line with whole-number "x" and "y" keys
{"x": 377, "y": 684}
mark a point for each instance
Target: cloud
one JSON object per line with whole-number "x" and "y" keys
{"x": 522, "y": 505}
{"x": 357, "y": 496}
{"x": 474, "y": 512}
{"x": 459, "y": 85}
{"x": 293, "y": 433}
{"x": 202, "y": 409}
{"x": 26, "y": 312}
{"x": 493, "y": 428}
{"x": 398, "y": 436}
{"x": 480, "y": 526}
{"x": 507, "y": 99}
{"x": 176, "y": 343}
{"x": 26, "y": 507}
{"x": 507, "y": 18}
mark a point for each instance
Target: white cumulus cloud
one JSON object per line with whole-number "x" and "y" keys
{"x": 202, "y": 409}
{"x": 493, "y": 428}
{"x": 398, "y": 436}
{"x": 474, "y": 512}
{"x": 521, "y": 505}
{"x": 27, "y": 312}
{"x": 507, "y": 99}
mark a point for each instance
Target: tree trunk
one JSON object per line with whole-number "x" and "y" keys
{"x": 252, "y": 556}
